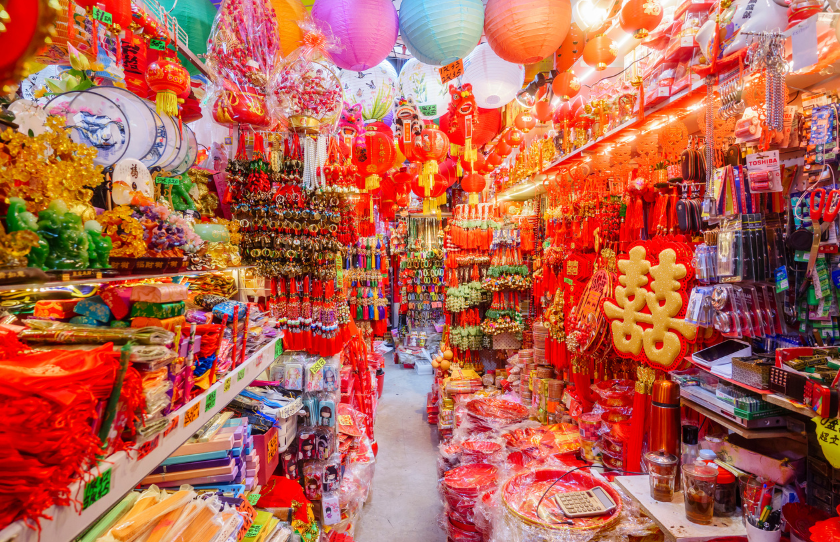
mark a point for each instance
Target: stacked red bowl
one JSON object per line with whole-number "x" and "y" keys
{"x": 461, "y": 488}
{"x": 493, "y": 413}
{"x": 479, "y": 451}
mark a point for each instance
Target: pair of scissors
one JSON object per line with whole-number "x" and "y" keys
{"x": 823, "y": 213}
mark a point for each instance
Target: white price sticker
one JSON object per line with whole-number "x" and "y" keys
{"x": 803, "y": 44}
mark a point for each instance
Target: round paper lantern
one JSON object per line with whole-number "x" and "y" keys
{"x": 438, "y": 32}
{"x": 495, "y": 82}
{"x": 475, "y": 166}
{"x": 168, "y": 79}
{"x": 514, "y": 138}
{"x": 526, "y": 31}
{"x": 375, "y": 89}
{"x": 29, "y": 27}
{"x": 563, "y": 113}
{"x": 289, "y": 13}
{"x": 599, "y": 52}
{"x": 494, "y": 159}
{"x": 473, "y": 184}
{"x": 448, "y": 169}
{"x": 502, "y": 148}
{"x": 373, "y": 155}
{"x": 421, "y": 83}
{"x": 366, "y": 29}
{"x": 525, "y": 121}
{"x": 438, "y": 187}
{"x": 571, "y": 49}
{"x": 566, "y": 85}
{"x": 544, "y": 111}
{"x": 640, "y": 17}
{"x": 431, "y": 145}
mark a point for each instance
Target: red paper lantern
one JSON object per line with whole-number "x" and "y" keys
{"x": 373, "y": 155}
{"x": 475, "y": 166}
{"x": 566, "y": 85}
{"x": 562, "y": 113}
{"x": 168, "y": 79}
{"x": 513, "y": 138}
{"x": 640, "y": 17}
{"x": 599, "y": 52}
{"x": 240, "y": 106}
{"x": 486, "y": 125}
{"x": 431, "y": 145}
{"x": 525, "y": 121}
{"x": 502, "y": 148}
{"x": 544, "y": 111}
{"x": 448, "y": 169}
{"x": 473, "y": 184}
{"x": 494, "y": 159}
{"x": 438, "y": 187}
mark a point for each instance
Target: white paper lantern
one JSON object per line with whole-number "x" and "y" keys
{"x": 494, "y": 81}
{"x": 421, "y": 82}
{"x": 375, "y": 89}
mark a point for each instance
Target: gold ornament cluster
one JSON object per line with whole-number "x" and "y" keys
{"x": 48, "y": 166}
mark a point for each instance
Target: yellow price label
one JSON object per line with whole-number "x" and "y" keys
{"x": 192, "y": 414}
{"x": 272, "y": 447}
{"x": 227, "y": 384}
{"x": 318, "y": 366}
{"x": 345, "y": 419}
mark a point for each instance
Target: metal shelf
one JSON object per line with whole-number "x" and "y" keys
{"x": 101, "y": 280}
{"x": 68, "y": 522}
{"x": 738, "y": 429}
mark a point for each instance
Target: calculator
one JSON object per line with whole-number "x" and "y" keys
{"x": 581, "y": 504}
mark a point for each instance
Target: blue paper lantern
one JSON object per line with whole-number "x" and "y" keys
{"x": 438, "y": 32}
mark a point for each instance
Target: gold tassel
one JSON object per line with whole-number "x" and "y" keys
{"x": 372, "y": 182}
{"x": 454, "y": 150}
{"x": 470, "y": 153}
{"x": 426, "y": 206}
{"x": 166, "y": 103}
{"x": 441, "y": 200}
{"x": 473, "y": 198}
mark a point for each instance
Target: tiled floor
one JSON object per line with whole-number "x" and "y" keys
{"x": 404, "y": 505}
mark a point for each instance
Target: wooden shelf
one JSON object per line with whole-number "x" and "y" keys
{"x": 101, "y": 280}
{"x": 738, "y": 429}
{"x": 670, "y": 516}
{"x": 788, "y": 404}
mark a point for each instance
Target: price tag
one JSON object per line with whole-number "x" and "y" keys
{"x": 278, "y": 348}
{"x": 97, "y": 488}
{"x": 345, "y": 419}
{"x": 253, "y": 531}
{"x": 782, "y": 282}
{"x": 567, "y": 280}
{"x": 227, "y": 383}
{"x": 429, "y": 110}
{"x": 803, "y": 44}
{"x": 102, "y": 15}
{"x": 211, "y": 401}
{"x": 318, "y": 365}
{"x": 172, "y": 425}
{"x": 147, "y": 447}
{"x": 192, "y": 414}
{"x": 253, "y": 498}
{"x": 272, "y": 446}
{"x": 157, "y": 45}
{"x": 174, "y": 181}
{"x": 451, "y": 71}
{"x": 240, "y": 375}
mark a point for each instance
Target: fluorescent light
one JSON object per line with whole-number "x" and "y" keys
{"x": 586, "y": 75}
{"x": 623, "y": 40}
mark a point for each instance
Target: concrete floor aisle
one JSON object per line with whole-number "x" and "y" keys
{"x": 404, "y": 505}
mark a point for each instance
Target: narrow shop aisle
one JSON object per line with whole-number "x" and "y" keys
{"x": 404, "y": 504}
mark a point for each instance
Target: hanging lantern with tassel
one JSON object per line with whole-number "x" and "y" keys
{"x": 514, "y": 138}
{"x": 373, "y": 155}
{"x": 544, "y": 111}
{"x": 432, "y": 197}
{"x": 566, "y": 85}
{"x": 430, "y": 147}
{"x": 525, "y": 121}
{"x": 168, "y": 79}
{"x": 473, "y": 184}
{"x": 640, "y": 17}
{"x": 600, "y": 52}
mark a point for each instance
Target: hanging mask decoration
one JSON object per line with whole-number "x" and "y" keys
{"x": 407, "y": 123}
{"x": 350, "y": 125}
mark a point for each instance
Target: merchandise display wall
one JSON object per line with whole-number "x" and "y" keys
{"x": 607, "y": 230}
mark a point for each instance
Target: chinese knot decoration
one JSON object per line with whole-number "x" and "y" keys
{"x": 643, "y": 328}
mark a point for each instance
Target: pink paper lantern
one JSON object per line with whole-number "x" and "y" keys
{"x": 526, "y": 31}
{"x": 366, "y": 29}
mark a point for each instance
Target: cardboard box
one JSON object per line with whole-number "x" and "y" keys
{"x": 267, "y": 447}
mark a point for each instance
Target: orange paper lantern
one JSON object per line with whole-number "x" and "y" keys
{"x": 566, "y": 85}
{"x": 571, "y": 49}
{"x": 526, "y": 31}
{"x": 640, "y": 17}
{"x": 599, "y": 52}
{"x": 544, "y": 111}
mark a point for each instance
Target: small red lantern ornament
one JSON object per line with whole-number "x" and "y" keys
{"x": 168, "y": 79}
{"x": 599, "y": 52}
{"x": 640, "y": 17}
{"x": 544, "y": 111}
{"x": 502, "y": 148}
{"x": 473, "y": 166}
{"x": 373, "y": 155}
{"x": 494, "y": 159}
{"x": 525, "y": 121}
{"x": 566, "y": 85}
{"x": 430, "y": 147}
{"x": 513, "y": 138}
{"x": 432, "y": 197}
{"x": 473, "y": 184}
